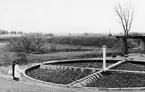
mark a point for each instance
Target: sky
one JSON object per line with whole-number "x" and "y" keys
{"x": 68, "y": 16}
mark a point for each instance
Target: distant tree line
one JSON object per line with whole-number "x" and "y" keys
{"x": 2, "y": 32}
{"x": 49, "y": 34}
{"x": 135, "y": 34}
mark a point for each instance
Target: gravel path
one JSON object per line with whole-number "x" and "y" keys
{"x": 12, "y": 86}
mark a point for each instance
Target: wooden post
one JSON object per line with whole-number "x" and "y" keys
{"x": 104, "y": 57}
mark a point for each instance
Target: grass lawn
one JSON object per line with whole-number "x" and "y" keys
{"x": 71, "y": 47}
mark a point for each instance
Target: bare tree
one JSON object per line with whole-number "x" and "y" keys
{"x": 125, "y": 14}
{"x": 25, "y": 44}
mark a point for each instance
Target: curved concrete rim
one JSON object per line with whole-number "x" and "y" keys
{"x": 62, "y": 85}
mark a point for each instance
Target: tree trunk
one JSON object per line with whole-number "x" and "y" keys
{"x": 125, "y": 43}
{"x": 126, "y": 47}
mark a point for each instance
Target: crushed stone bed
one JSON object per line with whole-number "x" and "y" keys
{"x": 58, "y": 76}
{"x": 133, "y": 66}
{"x": 118, "y": 80}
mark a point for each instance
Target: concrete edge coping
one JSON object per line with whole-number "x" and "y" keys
{"x": 98, "y": 88}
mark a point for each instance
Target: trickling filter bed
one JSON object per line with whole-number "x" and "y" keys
{"x": 109, "y": 79}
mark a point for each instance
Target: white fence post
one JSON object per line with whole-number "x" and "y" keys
{"x": 104, "y": 57}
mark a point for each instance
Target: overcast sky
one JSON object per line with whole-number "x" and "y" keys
{"x": 67, "y": 16}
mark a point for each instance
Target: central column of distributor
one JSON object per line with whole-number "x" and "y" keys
{"x": 104, "y": 57}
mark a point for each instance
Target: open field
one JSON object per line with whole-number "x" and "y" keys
{"x": 62, "y": 51}
{"x": 69, "y": 48}
{"x": 85, "y": 41}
